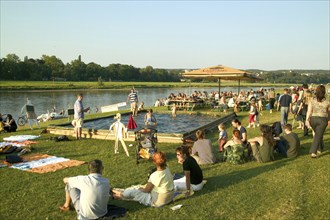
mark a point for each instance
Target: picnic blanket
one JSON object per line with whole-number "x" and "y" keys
{"x": 44, "y": 163}
{"x": 21, "y": 138}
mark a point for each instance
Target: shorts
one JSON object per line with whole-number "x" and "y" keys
{"x": 133, "y": 106}
{"x": 78, "y": 123}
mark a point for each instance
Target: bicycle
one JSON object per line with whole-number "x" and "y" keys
{"x": 22, "y": 120}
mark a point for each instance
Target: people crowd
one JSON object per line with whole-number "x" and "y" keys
{"x": 89, "y": 194}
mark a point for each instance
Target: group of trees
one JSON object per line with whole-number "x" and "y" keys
{"x": 52, "y": 68}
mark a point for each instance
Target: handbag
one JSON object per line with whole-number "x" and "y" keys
{"x": 13, "y": 159}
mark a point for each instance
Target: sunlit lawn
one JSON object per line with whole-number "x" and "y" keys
{"x": 283, "y": 189}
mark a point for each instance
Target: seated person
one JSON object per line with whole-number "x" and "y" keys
{"x": 263, "y": 146}
{"x": 243, "y": 133}
{"x": 149, "y": 118}
{"x": 202, "y": 150}
{"x": 289, "y": 143}
{"x": 10, "y": 124}
{"x": 193, "y": 175}
{"x": 159, "y": 190}
{"x": 1, "y": 123}
{"x": 236, "y": 140}
{"x": 89, "y": 194}
{"x": 141, "y": 106}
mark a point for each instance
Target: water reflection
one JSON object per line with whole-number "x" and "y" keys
{"x": 13, "y": 101}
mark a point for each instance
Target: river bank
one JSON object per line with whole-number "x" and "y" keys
{"x": 64, "y": 85}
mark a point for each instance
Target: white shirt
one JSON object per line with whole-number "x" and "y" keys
{"x": 94, "y": 195}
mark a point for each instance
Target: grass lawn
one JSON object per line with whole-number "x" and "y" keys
{"x": 282, "y": 189}
{"x": 58, "y": 85}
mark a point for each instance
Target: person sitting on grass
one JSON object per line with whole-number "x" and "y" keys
{"x": 89, "y": 194}
{"x": 159, "y": 190}
{"x": 193, "y": 175}
{"x": 202, "y": 150}
{"x": 289, "y": 143}
{"x": 10, "y": 124}
{"x": 235, "y": 140}
{"x": 263, "y": 146}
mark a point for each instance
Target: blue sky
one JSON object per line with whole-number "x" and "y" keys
{"x": 266, "y": 35}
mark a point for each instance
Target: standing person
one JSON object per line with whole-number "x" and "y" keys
{"x": 78, "y": 119}
{"x": 28, "y": 108}
{"x": 149, "y": 118}
{"x": 159, "y": 190}
{"x": 285, "y": 102}
{"x": 317, "y": 117}
{"x": 173, "y": 110}
{"x": 302, "y": 110}
{"x": 88, "y": 194}
{"x": 193, "y": 175}
{"x": 10, "y": 124}
{"x": 243, "y": 134}
{"x": 202, "y": 150}
{"x": 271, "y": 98}
{"x": 222, "y": 136}
{"x": 252, "y": 114}
{"x": 120, "y": 130}
{"x": 133, "y": 99}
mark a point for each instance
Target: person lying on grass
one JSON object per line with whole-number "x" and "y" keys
{"x": 159, "y": 190}
{"x": 89, "y": 194}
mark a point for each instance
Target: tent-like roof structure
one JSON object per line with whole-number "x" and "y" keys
{"x": 222, "y": 72}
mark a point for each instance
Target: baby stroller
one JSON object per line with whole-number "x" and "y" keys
{"x": 145, "y": 143}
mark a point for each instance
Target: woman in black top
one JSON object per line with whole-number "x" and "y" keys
{"x": 193, "y": 175}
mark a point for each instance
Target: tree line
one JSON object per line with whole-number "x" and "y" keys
{"x": 52, "y": 68}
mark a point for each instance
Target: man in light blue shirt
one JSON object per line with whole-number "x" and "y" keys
{"x": 89, "y": 194}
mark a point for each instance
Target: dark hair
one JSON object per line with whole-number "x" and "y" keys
{"x": 9, "y": 116}
{"x": 267, "y": 133}
{"x": 236, "y": 121}
{"x": 288, "y": 126}
{"x": 150, "y": 110}
{"x": 320, "y": 93}
{"x": 184, "y": 150}
{"x": 236, "y": 133}
{"x": 95, "y": 166}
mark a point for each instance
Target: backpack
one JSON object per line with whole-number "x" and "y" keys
{"x": 234, "y": 154}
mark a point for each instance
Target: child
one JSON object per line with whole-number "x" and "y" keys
{"x": 174, "y": 110}
{"x": 222, "y": 136}
{"x": 253, "y": 110}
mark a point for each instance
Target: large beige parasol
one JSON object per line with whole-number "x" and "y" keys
{"x": 222, "y": 72}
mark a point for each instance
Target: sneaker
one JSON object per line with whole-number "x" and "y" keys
{"x": 313, "y": 155}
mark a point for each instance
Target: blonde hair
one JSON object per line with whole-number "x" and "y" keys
{"x": 222, "y": 126}
{"x": 200, "y": 134}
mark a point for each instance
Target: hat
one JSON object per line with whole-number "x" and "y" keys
{"x": 118, "y": 116}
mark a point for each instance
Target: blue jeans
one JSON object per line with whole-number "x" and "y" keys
{"x": 284, "y": 115}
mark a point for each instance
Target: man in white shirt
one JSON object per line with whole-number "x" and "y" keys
{"x": 89, "y": 194}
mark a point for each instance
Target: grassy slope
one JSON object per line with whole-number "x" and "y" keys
{"x": 283, "y": 189}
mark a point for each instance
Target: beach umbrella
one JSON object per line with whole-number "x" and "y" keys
{"x": 131, "y": 123}
{"x": 221, "y": 72}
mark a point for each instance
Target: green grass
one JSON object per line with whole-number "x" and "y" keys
{"x": 57, "y": 85}
{"x": 282, "y": 189}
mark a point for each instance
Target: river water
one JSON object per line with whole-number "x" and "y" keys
{"x": 11, "y": 102}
